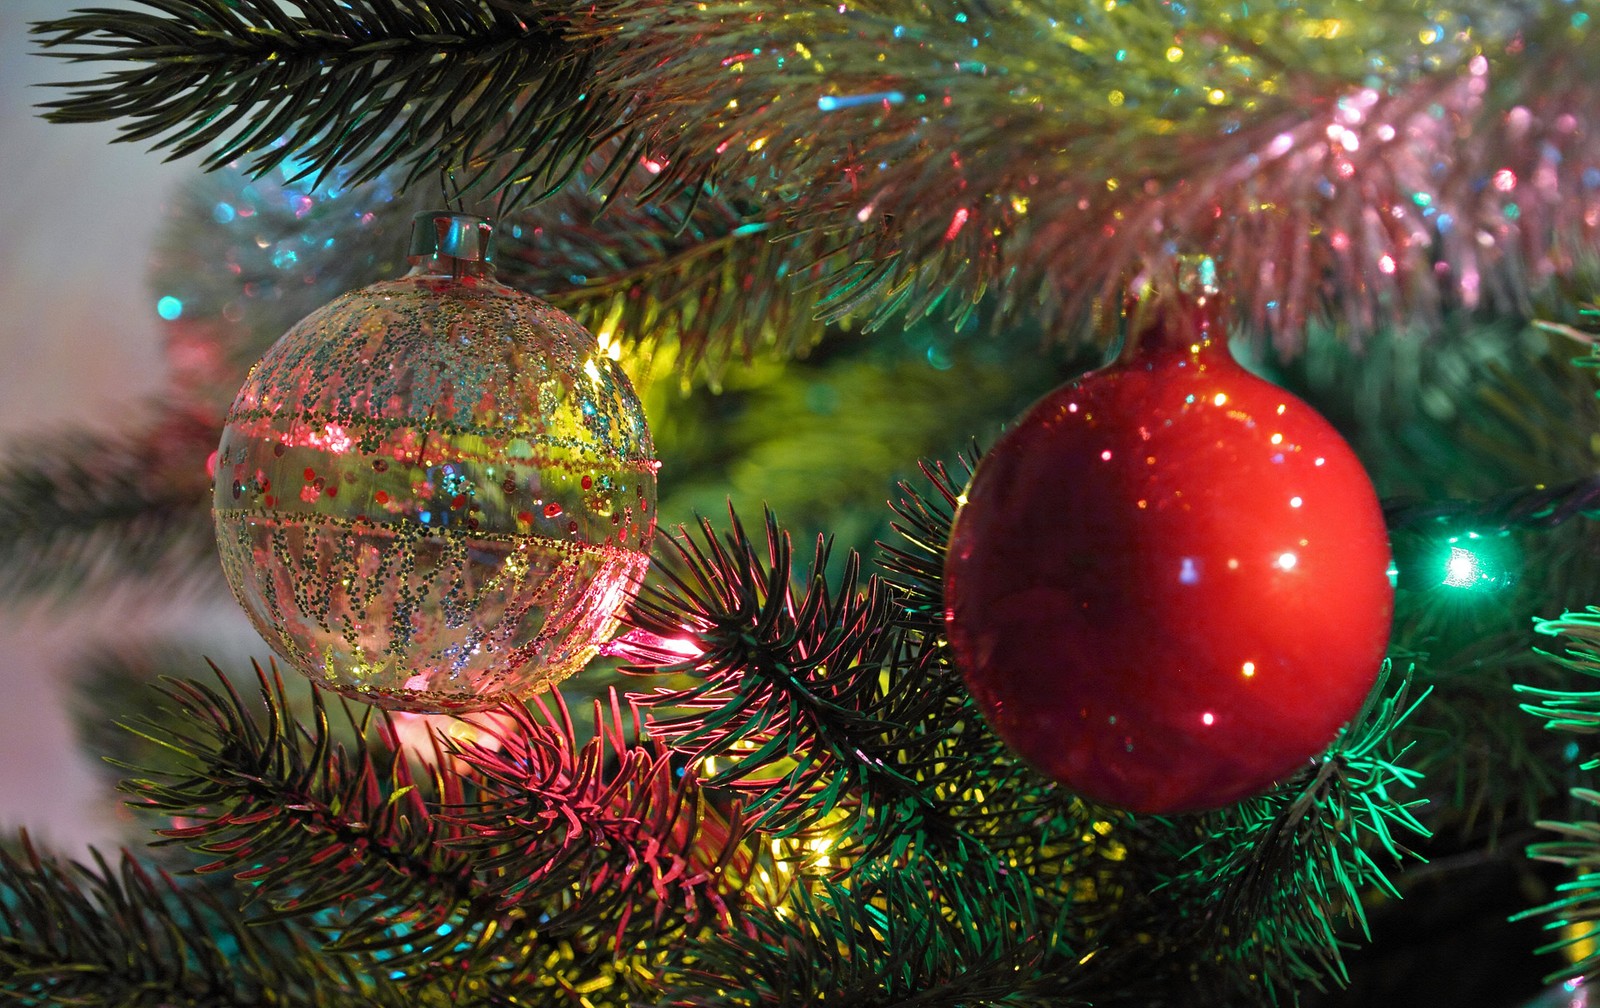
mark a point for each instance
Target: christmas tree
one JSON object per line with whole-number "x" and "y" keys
{"x": 838, "y": 246}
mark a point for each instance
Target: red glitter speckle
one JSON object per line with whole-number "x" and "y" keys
{"x": 311, "y": 474}
{"x": 382, "y": 496}
{"x": 552, "y": 510}
{"x": 588, "y": 481}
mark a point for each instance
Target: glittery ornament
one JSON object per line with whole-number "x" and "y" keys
{"x": 436, "y": 491}
{"x": 1167, "y": 585}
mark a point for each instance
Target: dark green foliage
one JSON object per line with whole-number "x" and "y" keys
{"x": 611, "y": 828}
{"x": 89, "y": 509}
{"x": 119, "y": 934}
{"x": 1309, "y": 853}
{"x": 924, "y": 934}
{"x": 1482, "y": 437}
{"x": 539, "y": 851}
{"x": 1574, "y": 910}
{"x": 362, "y": 85}
{"x": 914, "y": 562}
{"x": 791, "y": 671}
{"x": 312, "y": 825}
{"x": 667, "y": 273}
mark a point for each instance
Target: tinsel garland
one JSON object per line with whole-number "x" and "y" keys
{"x": 1373, "y": 162}
{"x": 1385, "y": 160}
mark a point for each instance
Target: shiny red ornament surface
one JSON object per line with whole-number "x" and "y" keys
{"x": 1167, "y": 586}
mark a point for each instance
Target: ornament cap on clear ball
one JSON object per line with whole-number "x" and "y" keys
{"x": 436, "y": 492}
{"x": 1167, "y": 585}
{"x": 445, "y": 243}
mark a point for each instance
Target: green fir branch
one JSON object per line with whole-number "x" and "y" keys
{"x": 513, "y": 853}
{"x": 106, "y": 934}
{"x": 1572, "y": 915}
{"x": 709, "y": 273}
{"x": 807, "y": 701}
{"x": 608, "y": 833}
{"x": 1573, "y": 912}
{"x": 363, "y": 85}
{"x": 914, "y": 563}
{"x": 979, "y": 787}
{"x": 914, "y": 936}
{"x": 1283, "y": 866}
{"x": 315, "y": 830}
{"x": 88, "y": 509}
{"x": 786, "y": 672}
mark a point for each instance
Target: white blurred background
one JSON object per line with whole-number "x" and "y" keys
{"x": 78, "y": 333}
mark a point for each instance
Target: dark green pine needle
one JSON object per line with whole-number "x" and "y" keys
{"x": 1572, "y": 913}
{"x": 923, "y": 934}
{"x": 362, "y": 86}
{"x": 787, "y": 670}
{"x": 1284, "y": 867}
{"x": 310, "y": 823}
{"x": 86, "y": 509}
{"x": 118, "y": 934}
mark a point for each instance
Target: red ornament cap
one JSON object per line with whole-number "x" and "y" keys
{"x": 1167, "y": 585}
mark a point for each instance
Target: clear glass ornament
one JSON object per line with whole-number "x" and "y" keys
{"x": 436, "y": 491}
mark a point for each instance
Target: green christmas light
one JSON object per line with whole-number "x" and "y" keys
{"x": 1474, "y": 563}
{"x": 1468, "y": 563}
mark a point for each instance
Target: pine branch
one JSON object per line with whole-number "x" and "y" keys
{"x": 982, "y": 789}
{"x": 613, "y": 821}
{"x": 917, "y": 936}
{"x": 1046, "y": 149}
{"x": 784, "y": 678}
{"x": 916, "y": 565}
{"x": 930, "y": 155}
{"x": 708, "y": 272}
{"x": 319, "y": 832}
{"x": 119, "y": 935}
{"x": 527, "y": 852}
{"x": 860, "y": 743}
{"x": 674, "y": 275}
{"x": 1574, "y": 912}
{"x": 362, "y": 85}
{"x": 80, "y": 511}
{"x": 1288, "y": 860}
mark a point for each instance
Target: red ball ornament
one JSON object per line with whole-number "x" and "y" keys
{"x": 1167, "y": 586}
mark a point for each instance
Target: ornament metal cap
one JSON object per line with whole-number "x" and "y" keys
{"x": 446, "y": 242}
{"x": 1175, "y": 306}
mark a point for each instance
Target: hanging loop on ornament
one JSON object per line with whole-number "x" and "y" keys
{"x": 447, "y": 243}
{"x": 1175, "y": 306}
